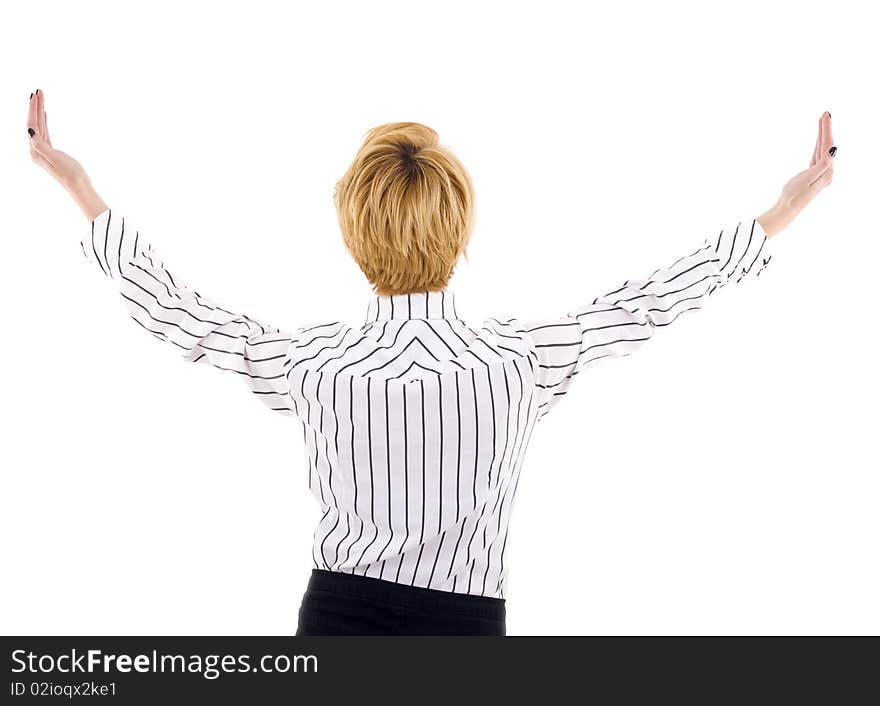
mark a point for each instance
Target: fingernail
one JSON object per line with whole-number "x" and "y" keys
{"x": 31, "y": 131}
{"x": 833, "y": 151}
{"x": 32, "y": 95}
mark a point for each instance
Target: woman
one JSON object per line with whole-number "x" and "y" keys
{"x": 415, "y": 424}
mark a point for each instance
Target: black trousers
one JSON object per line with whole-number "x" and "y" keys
{"x": 337, "y": 603}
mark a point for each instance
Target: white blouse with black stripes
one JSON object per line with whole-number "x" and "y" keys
{"x": 415, "y": 425}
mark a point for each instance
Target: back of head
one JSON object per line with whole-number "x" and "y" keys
{"x": 406, "y": 209}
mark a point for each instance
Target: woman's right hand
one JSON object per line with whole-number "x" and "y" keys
{"x": 803, "y": 187}
{"x": 64, "y": 168}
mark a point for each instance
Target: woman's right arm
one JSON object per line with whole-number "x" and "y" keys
{"x": 161, "y": 302}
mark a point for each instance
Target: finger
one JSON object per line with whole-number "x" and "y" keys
{"x": 45, "y": 122}
{"x": 33, "y": 119}
{"x": 825, "y": 132}
{"x": 41, "y": 108}
{"x": 818, "y": 146}
{"x": 38, "y": 110}
{"x": 41, "y": 116}
{"x": 829, "y": 138}
{"x": 44, "y": 128}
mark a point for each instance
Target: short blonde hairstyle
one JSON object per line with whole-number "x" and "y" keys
{"x": 406, "y": 209}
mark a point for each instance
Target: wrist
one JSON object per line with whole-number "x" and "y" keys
{"x": 775, "y": 219}
{"x": 88, "y": 200}
{"x": 77, "y": 184}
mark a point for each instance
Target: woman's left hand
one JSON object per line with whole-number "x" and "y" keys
{"x": 804, "y": 186}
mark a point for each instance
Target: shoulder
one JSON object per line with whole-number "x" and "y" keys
{"x": 319, "y": 332}
{"x": 507, "y": 333}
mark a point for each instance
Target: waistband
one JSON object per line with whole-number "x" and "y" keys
{"x": 401, "y": 594}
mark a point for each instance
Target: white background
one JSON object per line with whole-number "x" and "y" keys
{"x": 724, "y": 480}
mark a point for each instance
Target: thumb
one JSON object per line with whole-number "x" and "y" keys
{"x": 42, "y": 149}
{"x": 819, "y": 168}
{"x": 41, "y": 155}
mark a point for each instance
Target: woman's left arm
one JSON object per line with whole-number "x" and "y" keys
{"x": 618, "y": 323}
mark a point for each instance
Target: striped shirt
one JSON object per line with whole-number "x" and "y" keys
{"x": 415, "y": 425}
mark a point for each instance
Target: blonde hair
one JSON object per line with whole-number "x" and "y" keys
{"x": 406, "y": 209}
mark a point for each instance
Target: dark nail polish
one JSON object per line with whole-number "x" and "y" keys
{"x": 833, "y": 151}
{"x": 32, "y": 95}
{"x": 31, "y": 131}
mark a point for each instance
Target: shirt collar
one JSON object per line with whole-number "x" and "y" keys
{"x": 428, "y": 304}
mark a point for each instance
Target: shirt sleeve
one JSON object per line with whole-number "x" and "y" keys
{"x": 619, "y": 322}
{"x": 170, "y": 310}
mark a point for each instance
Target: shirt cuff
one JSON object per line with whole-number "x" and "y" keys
{"x": 102, "y": 215}
{"x": 765, "y": 255}
{"x": 96, "y": 240}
